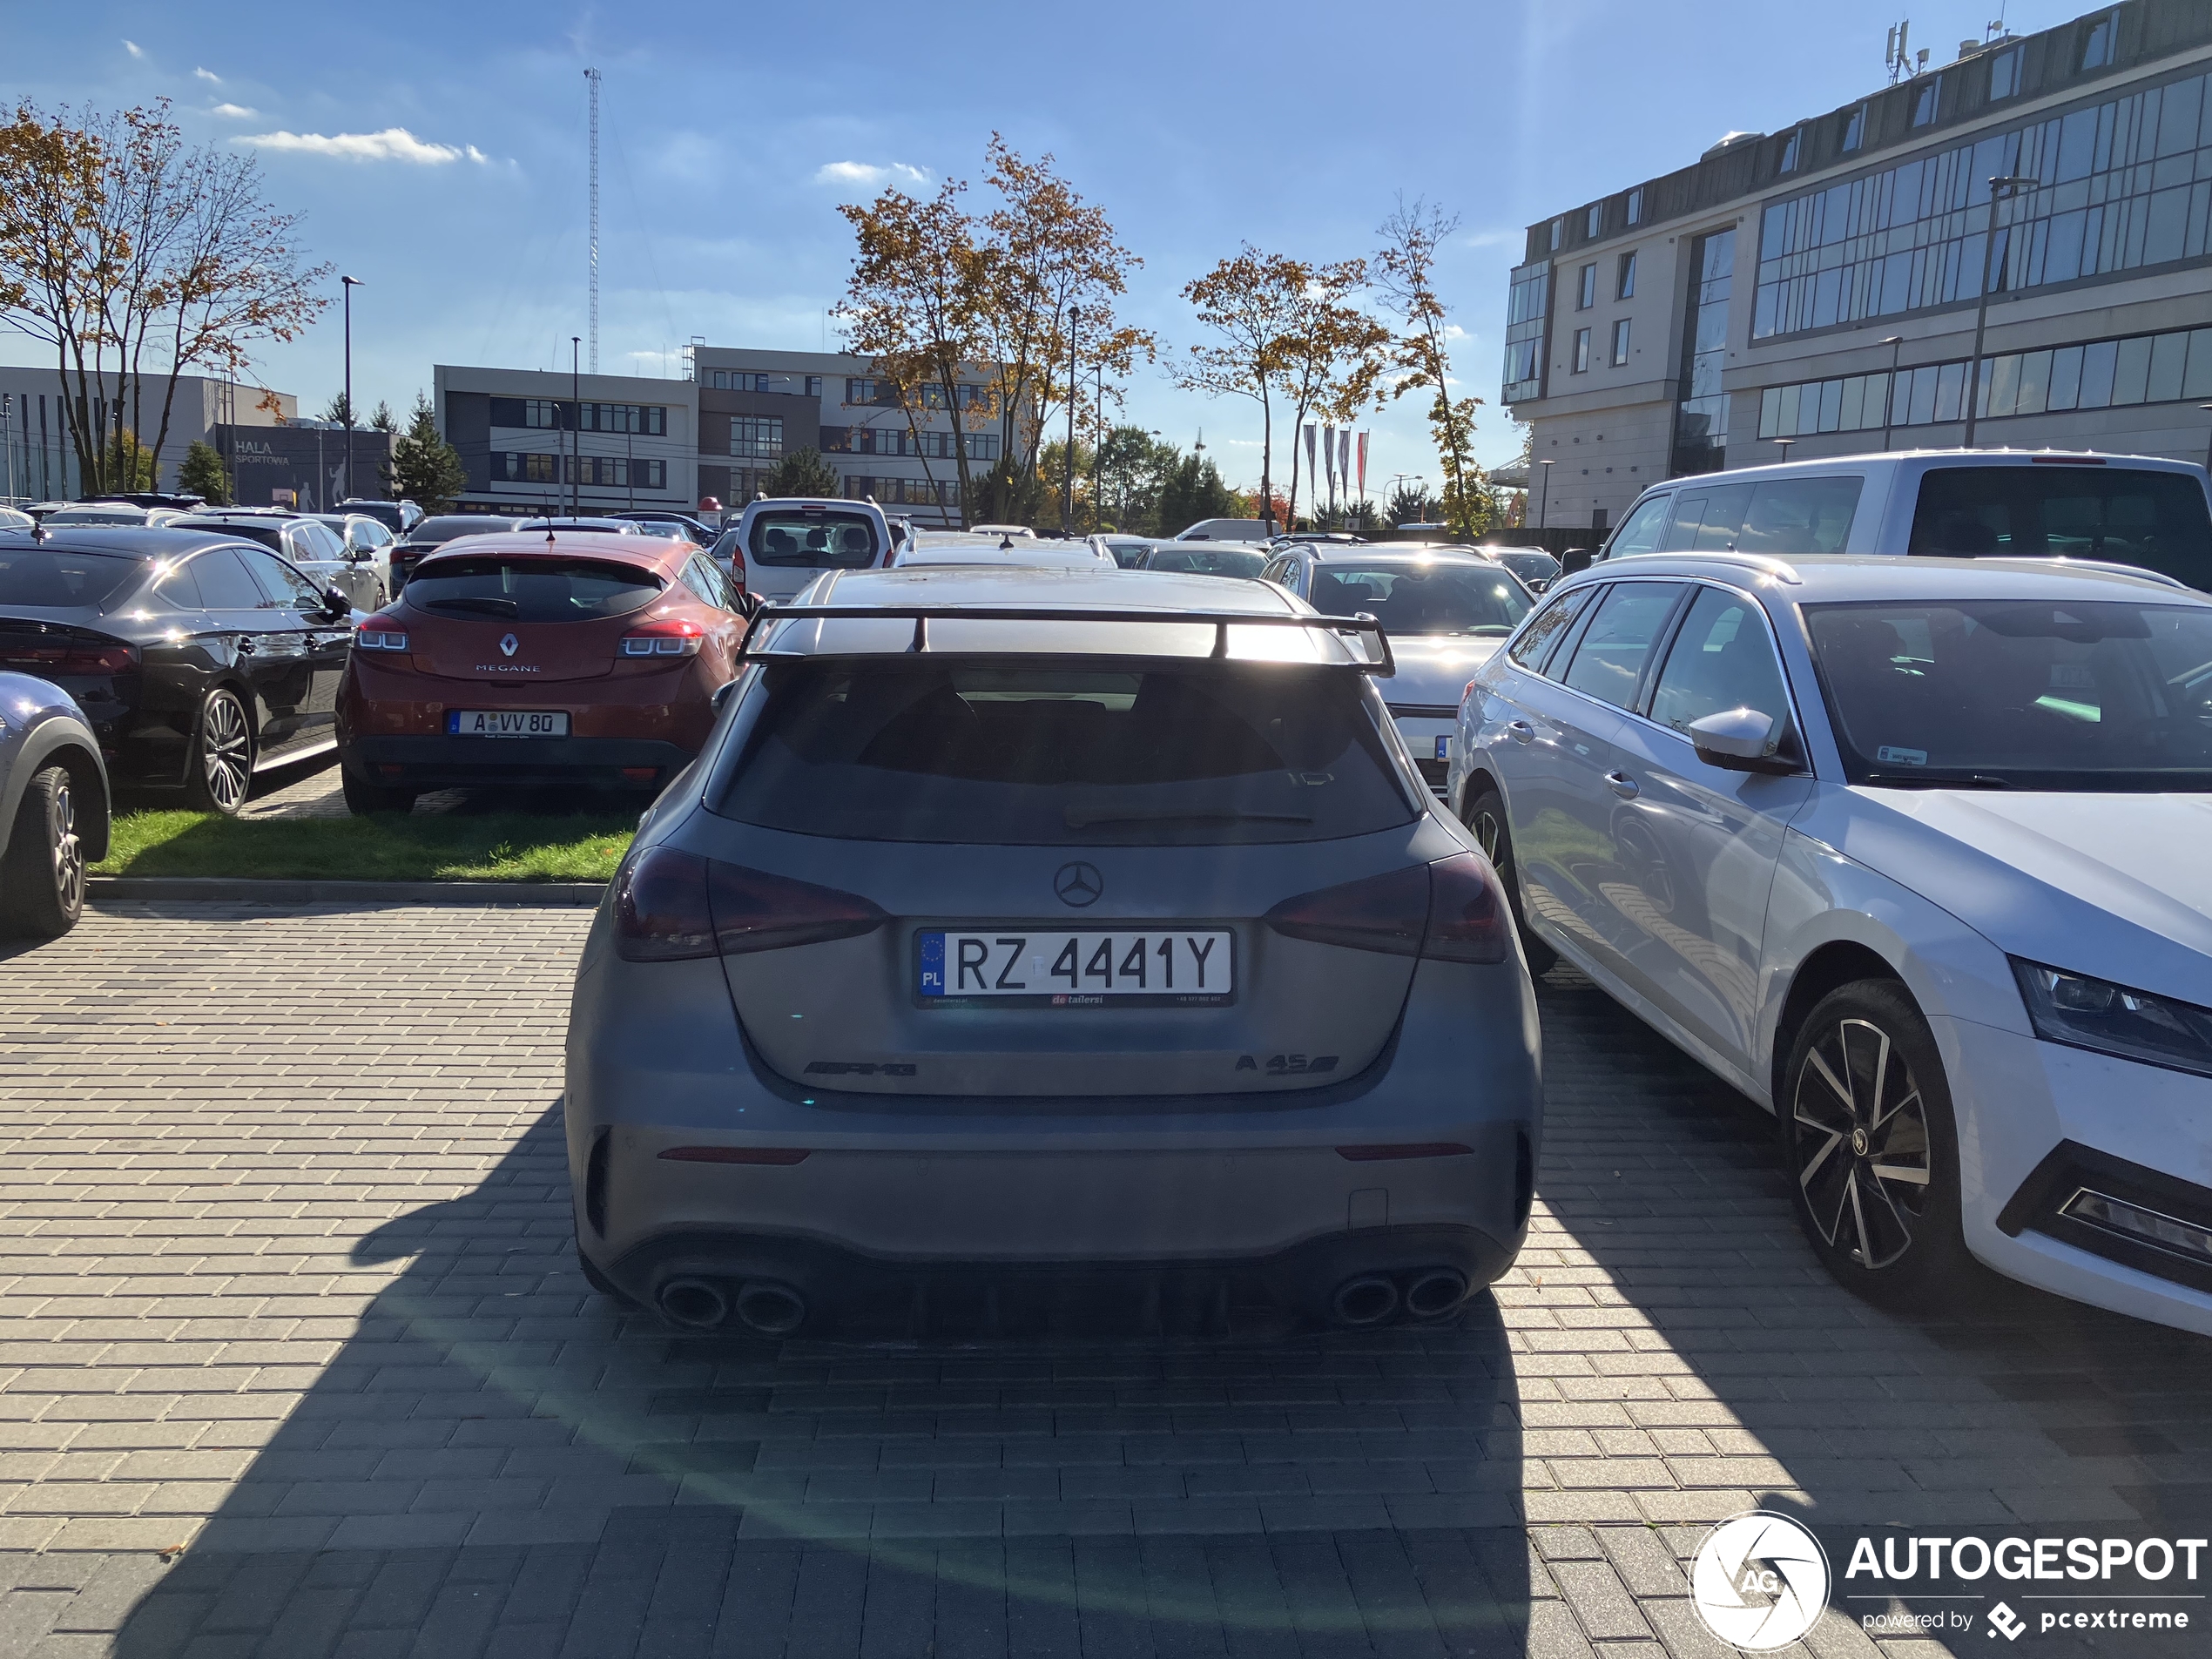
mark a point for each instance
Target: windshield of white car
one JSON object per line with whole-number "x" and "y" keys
{"x": 1418, "y": 596}
{"x": 2109, "y": 695}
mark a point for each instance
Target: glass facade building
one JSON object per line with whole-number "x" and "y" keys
{"x": 1701, "y": 417}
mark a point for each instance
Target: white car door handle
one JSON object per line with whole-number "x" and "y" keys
{"x": 1523, "y": 732}
{"x": 1621, "y": 785}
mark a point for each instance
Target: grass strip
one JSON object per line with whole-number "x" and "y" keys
{"x": 493, "y": 846}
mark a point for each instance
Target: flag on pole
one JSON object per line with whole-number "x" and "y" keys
{"x": 1344, "y": 458}
{"x": 1309, "y": 451}
{"x": 1329, "y": 460}
{"x": 1363, "y": 464}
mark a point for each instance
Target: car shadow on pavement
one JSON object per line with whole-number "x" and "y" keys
{"x": 2010, "y": 1405}
{"x": 501, "y": 1462}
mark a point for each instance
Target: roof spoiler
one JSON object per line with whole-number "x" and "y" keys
{"x": 1365, "y": 622}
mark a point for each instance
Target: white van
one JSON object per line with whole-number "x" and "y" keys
{"x": 1952, "y": 503}
{"x": 778, "y": 547}
{"x": 1228, "y": 529}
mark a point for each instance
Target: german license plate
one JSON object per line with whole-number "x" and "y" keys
{"x": 1159, "y": 967}
{"x": 507, "y": 723}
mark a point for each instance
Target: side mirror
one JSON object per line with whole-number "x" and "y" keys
{"x": 338, "y": 604}
{"x": 1736, "y": 740}
{"x": 1575, "y": 559}
{"x": 723, "y": 693}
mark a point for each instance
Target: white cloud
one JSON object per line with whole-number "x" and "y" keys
{"x": 234, "y": 112}
{"x": 868, "y": 176}
{"x": 392, "y": 143}
{"x": 134, "y": 49}
{"x": 209, "y": 75}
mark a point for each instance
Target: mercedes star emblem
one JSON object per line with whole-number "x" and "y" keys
{"x": 1078, "y": 884}
{"x": 509, "y": 645}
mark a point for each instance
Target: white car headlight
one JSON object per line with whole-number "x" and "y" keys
{"x": 2086, "y": 1013}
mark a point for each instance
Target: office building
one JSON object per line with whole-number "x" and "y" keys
{"x": 39, "y": 460}
{"x": 1816, "y": 291}
{"x": 532, "y": 441}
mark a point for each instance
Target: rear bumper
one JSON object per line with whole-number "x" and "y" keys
{"x": 437, "y": 763}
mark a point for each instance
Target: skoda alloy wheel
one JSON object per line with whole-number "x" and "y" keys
{"x": 42, "y": 883}
{"x": 222, "y": 755}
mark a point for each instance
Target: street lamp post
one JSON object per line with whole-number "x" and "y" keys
{"x": 1783, "y": 444}
{"x": 1896, "y": 343}
{"x": 575, "y": 422}
{"x": 1544, "y": 498}
{"x": 2007, "y": 184}
{"x": 346, "y": 285}
{"x": 1068, "y": 495}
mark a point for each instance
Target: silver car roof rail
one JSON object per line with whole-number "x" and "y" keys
{"x": 920, "y": 615}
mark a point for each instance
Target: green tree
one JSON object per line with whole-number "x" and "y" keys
{"x": 803, "y": 472}
{"x": 1411, "y": 504}
{"x": 1133, "y": 465}
{"x": 1193, "y": 491}
{"x": 424, "y": 467}
{"x": 203, "y": 474}
{"x": 338, "y": 411}
{"x": 382, "y": 421}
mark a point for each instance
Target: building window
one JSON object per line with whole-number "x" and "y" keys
{"x": 645, "y": 419}
{"x": 1586, "y": 290}
{"x": 1559, "y": 229}
{"x": 541, "y": 412}
{"x": 757, "y": 437}
{"x": 837, "y": 440}
{"x": 1592, "y": 221}
{"x": 1581, "y": 351}
{"x": 1635, "y": 205}
{"x": 1855, "y": 129}
{"x": 2103, "y": 38}
{"x": 1527, "y": 304}
{"x": 1626, "y": 287}
{"x": 2005, "y": 73}
{"x": 870, "y": 391}
{"x": 1792, "y": 147}
{"x": 618, "y": 472}
{"x": 1621, "y": 343}
{"x": 813, "y": 386}
{"x": 530, "y": 468}
{"x": 1701, "y": 418}
{"x": 745, "y": 380}
{"x": 1927, "y": 101}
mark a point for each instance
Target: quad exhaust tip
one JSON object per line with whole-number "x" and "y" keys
{"x": 1368, "y": 1299}
{"x": 695, "y": 1303}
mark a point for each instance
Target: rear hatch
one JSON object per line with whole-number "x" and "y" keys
{"x": 1091, "y": 877}
{"x": 785, "y": 548}
{"x": 526, "y": 618}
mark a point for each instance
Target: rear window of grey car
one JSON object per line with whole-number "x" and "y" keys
{"x": 821, "y": 541}
{"x": 44, "y": 578}
{"x": 1089, "y": 756}
{"x": 529, "y": 590}
{"x": 1781, "y": 517}
{"x": 2128, "y": 515}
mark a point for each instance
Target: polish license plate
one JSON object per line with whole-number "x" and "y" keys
{"x": 1444, "y": 747}
{"x": 507, "y": 723}
{"x": 1135, "y": 968}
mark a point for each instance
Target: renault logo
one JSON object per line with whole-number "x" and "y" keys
{"x": 509, "y": 645}
{"x": 1078, "y": 884}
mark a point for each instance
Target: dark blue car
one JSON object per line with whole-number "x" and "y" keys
{"x": 53, "y": 807}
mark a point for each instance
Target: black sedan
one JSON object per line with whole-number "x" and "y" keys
{"x": 197, "y": 658}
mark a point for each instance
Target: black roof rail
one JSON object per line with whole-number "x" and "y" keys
{"x": 922, "y": 615}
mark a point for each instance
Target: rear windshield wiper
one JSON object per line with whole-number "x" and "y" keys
{"x": 490, "y": 606}
{"x": 1940, "y": 780}
{"x": 1079, "y": 817}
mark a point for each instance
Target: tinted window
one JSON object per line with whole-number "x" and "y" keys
{"x": 265, "y": 535}
{"x": 897, "y": 751}
{"x": 1539, "y": 637}
{"x": 529, "y": 589}
{"x": 1640, "y": 533}
{"x": 2092, "y": 696}
{"x": 1706, "y": 521}
{"x": 1721, "y": 658}
{"x": 1800, "y": 515}
{"x": 705, "y": 581}
{"x": 2153, "y": 519}
{"x": 46, "y": 578}
{"x": 313, "y": 541}
{"x": 445, "y": 527}
{"x": 1530, "y": 567}
{"x": 819, "y": 541}
{"x": 223, "y": 583}
{"x": 1609, "y": 663}
{"x": 176, "y": 589}
{"x": 1418, "y": 597}
{"x": 1207, "y": 561}
{"x": 285, "y": 587}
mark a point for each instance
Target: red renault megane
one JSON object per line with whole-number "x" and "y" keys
{"x": 573, "y": 657}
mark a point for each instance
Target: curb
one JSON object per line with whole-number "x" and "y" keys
{"x": 131, "y": 889}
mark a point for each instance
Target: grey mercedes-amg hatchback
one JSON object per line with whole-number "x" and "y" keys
{"x": 1018, "y": 930}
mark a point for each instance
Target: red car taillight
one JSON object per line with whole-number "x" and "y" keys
{"x": 1452, "y": 911}
{"x": 671, "y": 906}
{"x": 53, "y": 654}
{"x": 382, "y": 633}
{"x": 669, "y": 636}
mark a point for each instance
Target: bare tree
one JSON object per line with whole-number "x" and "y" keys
{"x": 1406, "y": 267}
{"x": 137, "y": 260}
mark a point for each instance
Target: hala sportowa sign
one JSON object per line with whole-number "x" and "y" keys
{"x": 1760, "y": 1581}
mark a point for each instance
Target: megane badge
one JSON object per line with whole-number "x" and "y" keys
{"x": 1078, "y": 884}
{"x": 509, "y": 645}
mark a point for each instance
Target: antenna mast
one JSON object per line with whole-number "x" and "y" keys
{"x": 592, "y": 77}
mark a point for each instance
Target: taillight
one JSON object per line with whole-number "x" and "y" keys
{"x": 669, "y": 636}
{"x": 671, "y": 906}
{"x": 381, "y": 633}
{"x": 54, "y": 655}
{"x": 1450, "y": 911}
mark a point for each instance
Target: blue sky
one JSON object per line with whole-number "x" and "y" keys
{"x": 438, "y": 152}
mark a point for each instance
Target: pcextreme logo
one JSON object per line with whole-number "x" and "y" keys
{"x": 1759, "y": 1580}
